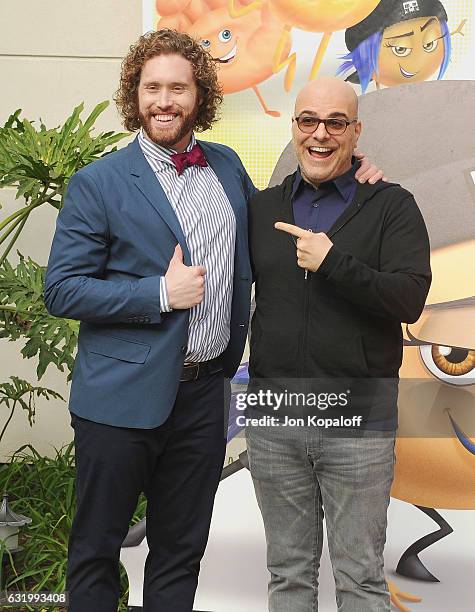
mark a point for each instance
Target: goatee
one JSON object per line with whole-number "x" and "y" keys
{"x": 168, "y": 137}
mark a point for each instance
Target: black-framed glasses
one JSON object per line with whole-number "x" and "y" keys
{"x": 334, "y": 125}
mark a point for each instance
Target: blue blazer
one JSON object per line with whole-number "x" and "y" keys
{"x": 114, "y": 238}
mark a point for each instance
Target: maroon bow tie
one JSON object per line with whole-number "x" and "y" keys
{"x": 195, "y": 157}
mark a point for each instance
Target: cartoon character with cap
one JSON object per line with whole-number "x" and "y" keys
{"x": 399, "y": 42}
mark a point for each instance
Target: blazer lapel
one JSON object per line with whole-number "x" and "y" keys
{"x": 150, "y": 187}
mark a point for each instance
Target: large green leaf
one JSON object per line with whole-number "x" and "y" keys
{"x": 39, "y": 161}
{"x": 23, "y": 315}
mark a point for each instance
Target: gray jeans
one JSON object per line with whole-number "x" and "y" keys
{"x": 300, "y": 472}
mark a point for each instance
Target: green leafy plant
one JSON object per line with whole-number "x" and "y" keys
{"x": 22, "y": 393}
{"x": 44, "y": 491}
{"x": 40, "y": 162}
{"x": 23, "y": 314}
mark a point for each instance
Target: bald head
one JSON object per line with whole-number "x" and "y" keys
{"x": 323, "y": 155}
{"x": 329, "y": 90}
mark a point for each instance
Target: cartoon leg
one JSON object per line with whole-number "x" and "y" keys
{"x": 397, "y": 595}
{"x": 317, "y": 62}
{"x": 240, "y": 12}
{"x": 267, "y": 110}
{"x": 280, "y": 61}
{"x": 235, "y": 466}
{"x": 460, "y": 28}
{"x": 409, "y": 564}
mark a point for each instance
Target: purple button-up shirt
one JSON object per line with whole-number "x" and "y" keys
{"x": 317, "y": 208}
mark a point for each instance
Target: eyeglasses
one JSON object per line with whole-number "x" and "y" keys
{"x": 334, "y": 126}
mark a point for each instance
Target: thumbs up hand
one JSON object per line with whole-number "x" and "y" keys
{"x": 185, "y": 284}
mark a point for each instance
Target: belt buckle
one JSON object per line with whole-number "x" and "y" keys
{"x": 193, "y": 368}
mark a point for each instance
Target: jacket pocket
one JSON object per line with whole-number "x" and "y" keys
{"x": 341, "y": 355}
{"x": 117, "y": 348}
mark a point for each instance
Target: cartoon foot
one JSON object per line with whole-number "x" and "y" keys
{"x": 265, "y": 108}
{"x": 397, "y": 595}
{"x": 412, "y": 567}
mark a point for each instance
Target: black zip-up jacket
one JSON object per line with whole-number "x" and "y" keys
{"x": 345, "y": 319}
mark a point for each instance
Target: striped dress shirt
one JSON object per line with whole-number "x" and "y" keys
{"x": 209, "y": 226}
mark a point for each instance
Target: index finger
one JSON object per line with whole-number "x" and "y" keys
{"x": 291, "y": 229}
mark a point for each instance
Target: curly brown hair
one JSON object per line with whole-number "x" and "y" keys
{"x": 167, "y": 42}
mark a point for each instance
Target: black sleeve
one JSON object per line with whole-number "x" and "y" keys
{"x": 399, "y": 288}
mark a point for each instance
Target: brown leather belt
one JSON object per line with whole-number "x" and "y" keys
{"x": 194, "y": 371}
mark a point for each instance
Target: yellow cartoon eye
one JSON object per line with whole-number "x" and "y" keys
{"x": 431, "y": 46}
{"x": 205, "y": 42}
{"x": 225, "y": 35}
{"x": 401, "y": 51}
{"x": 450, "y": 364}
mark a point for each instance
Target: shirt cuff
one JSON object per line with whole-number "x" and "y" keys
{"x": 164, "y": 305}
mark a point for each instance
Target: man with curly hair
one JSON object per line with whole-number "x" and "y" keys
{"x": 150, "y": 254}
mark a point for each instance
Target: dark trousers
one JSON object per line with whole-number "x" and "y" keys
{"x": 177, "y": 466}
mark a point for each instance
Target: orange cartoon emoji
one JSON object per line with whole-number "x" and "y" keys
{"x": 244, "y": 46}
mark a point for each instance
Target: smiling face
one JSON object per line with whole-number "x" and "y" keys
{"x": 412, "y": 50}
{"x": 243, "y": 48}
{"x": 225, "y": 39}
{"x": 222, "y": 45}
{"x": 168, "y": 100}
{"x": 321, "y": 156}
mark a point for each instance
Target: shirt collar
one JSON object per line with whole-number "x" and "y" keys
{"x": 158, "y": 152}
{"x": 343, "y": 183}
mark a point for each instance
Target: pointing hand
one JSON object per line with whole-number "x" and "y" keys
{"x": 311, "y": 248}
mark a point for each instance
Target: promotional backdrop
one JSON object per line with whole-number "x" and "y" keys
{"x": 267, "y": 49}
{"x": 413, "y": 64}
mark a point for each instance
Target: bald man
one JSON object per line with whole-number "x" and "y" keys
{"x": 338, "y": 266}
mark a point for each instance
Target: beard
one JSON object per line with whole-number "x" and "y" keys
{"x": 165, "y": 136}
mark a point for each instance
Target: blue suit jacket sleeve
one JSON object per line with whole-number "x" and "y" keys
{"x": 75, "y": 286}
